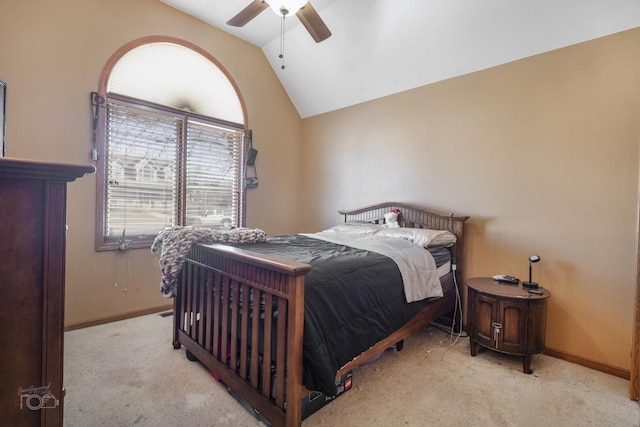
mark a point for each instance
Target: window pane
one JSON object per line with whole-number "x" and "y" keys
{"x": 213, "y": 175}
{"x": 141, "y": 184}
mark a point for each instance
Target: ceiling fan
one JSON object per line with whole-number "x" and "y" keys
{"x": 302, "y": 9}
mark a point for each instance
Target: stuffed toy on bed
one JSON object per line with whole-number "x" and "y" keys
{"x": 391, "y": 218}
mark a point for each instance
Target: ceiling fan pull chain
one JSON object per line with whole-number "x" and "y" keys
{"x": 281, "y": 56}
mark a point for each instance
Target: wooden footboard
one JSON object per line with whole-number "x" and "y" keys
{"x": 242, "y": 315}
{"x": 217, "y": 317}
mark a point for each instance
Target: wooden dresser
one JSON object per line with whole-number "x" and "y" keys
{"x": 32, "y": 269}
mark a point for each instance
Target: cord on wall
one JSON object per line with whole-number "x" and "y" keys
{"x": 457, "y": 307}
{"x": 123, "y": 245}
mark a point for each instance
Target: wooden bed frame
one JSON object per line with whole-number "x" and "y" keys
{"x": 211, "y": 285}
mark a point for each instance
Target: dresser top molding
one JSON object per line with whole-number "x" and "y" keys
{"x": 30, "y": 169}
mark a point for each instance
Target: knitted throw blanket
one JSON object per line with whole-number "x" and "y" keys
{"x": 175, "y": 243}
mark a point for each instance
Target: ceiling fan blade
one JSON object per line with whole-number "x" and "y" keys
{"x": 248, "y": 13}
{"x": 313, "y": 23}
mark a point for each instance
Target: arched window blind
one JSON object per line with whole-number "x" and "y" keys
{"x": 175, "y": 76}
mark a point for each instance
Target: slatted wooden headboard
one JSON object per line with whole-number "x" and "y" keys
{"x": 412, "y": 216}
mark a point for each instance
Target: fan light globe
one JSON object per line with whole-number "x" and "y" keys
{"x": 286, "y": 7}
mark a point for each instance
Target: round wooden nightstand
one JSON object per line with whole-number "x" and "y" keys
{"x": 506, "y": 318}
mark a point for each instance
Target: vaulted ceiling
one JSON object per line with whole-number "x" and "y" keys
{"x": 381, "y": 47}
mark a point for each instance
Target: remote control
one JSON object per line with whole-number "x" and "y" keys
{"x": 536, "y": 291}
{"x": 506, "y": 279}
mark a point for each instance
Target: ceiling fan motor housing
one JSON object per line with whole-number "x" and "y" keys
{"x": 286, "y": 7}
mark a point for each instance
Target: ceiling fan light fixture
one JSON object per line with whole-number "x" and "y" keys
{"x": 286, "y": 7}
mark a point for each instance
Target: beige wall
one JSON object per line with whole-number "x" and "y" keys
{"x": 542, "y": 153}
{"x": 51, "y": 56}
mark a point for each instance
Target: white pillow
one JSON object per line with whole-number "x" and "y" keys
{"x": 355, "y": 228}
{"x": 424, "y": 237}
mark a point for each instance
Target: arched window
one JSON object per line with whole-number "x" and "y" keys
{"x": 169, "y": 129}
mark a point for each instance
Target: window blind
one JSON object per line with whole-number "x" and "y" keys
{"x": 213, "y": 175}
{"x": 166, "y": 168}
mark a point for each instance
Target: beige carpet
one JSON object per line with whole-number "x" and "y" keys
{"x": 127, "y": 374}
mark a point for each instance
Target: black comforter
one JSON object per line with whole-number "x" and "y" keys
{"x": 353, "y": 299}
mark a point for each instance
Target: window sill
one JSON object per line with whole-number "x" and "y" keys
{"x": 124, "y": 244}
